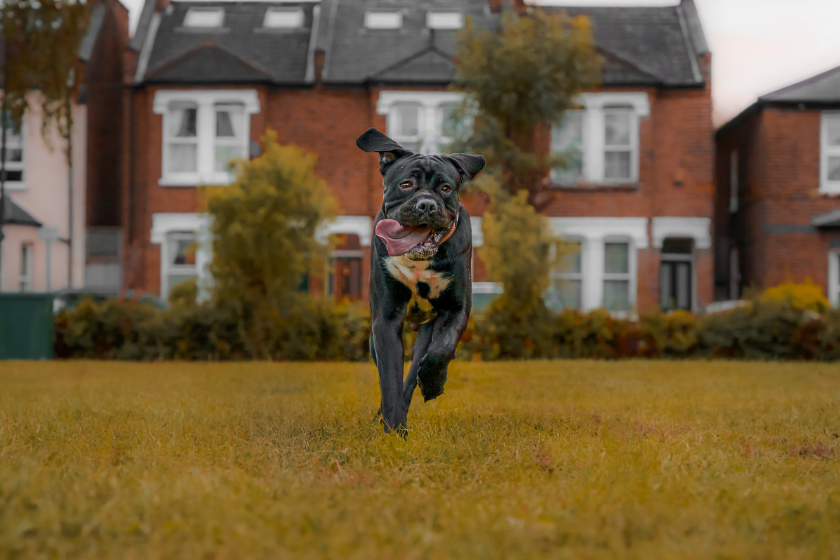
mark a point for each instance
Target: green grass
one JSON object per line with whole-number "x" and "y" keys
{"x": 570, "y": 459}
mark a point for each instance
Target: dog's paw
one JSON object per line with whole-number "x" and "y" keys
{"x": 431, "y": 377}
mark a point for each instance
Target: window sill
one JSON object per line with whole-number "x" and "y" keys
{"x": 829, "y": 191}
{"x": 194, "y": 181}
{"x": 586, "y": 186}
{"x": 15, "y": 186}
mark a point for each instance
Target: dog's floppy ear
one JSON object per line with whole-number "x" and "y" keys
{"x": 468, "y": 165}
{"x": 389, "y": 151}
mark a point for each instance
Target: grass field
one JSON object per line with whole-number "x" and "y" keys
{"x": 517, "y": 460}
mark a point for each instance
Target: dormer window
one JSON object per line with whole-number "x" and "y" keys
{"x": 383, "y": 20}
{"x": 204, "y": 17}
{"x": 283, "y": 18}
{"x": 444, "y": 20}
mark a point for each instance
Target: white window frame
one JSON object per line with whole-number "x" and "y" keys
{"x": 298, "y": 21}
{"x": 193, "y": 18}
{"x": 595, "y": 232}
{"x": 578, "y": 276}
{"x": 733, "y": 181}
{"x": 168, "y": 223}
{"x": 27, "y": 252}
{"x": 826, "y": 151}
{"x": 630, "y": 276}
{"x": 430, "y": 118}
{"x": 383, "y": 19}
{"x": 834, "y": 277}
{"x": 167, "y": 268}
{"x": 444, "y": 20}
{"x": 15, "y": 141}
{"x": 595, "y": 107}
{"x": 207, "y": 102}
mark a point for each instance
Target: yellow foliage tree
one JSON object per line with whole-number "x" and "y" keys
{"x": 265, "y": 226}
{"x": 806, "y": 296}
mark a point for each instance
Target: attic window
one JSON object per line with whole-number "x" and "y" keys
{"x": 444, "y": 20}
{"x": 383, "y": 20}
{"x": 204, "y": 17}
{"x": 280, "y": 18}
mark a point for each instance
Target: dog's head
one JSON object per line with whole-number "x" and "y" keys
{"x": 421, "y": 195}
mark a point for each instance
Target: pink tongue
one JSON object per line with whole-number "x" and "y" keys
{"x": 400, "y": 240}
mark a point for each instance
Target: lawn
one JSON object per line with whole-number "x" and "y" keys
{"x": 568, "y": 459}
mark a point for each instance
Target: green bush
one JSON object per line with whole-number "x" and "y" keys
{"x": 768, "y": 328}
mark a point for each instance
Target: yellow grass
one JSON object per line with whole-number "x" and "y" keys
{"x": 517, "y": 460}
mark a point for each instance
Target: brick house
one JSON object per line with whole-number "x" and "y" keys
{"x": 40, "y": 214}
{"x": 212, "y": 76}
{"x": 777, "y": 208}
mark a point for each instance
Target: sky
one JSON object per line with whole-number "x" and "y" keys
{"x": 757, "y": 46}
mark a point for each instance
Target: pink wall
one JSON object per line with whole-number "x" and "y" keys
{"x": 45, "y": 196}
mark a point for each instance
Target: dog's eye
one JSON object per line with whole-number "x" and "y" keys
{"x": 406, "y": 185}
{"x": 446, "y": 189}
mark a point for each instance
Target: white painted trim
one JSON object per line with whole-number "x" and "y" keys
{"x": 477, "y": 233}
{"x": 698, "y": 229}
{"x": 357, "y": 225}
{"x": 487, "y": 288}
{"x": 636, "y": 99}
{"x": 206, "y": 100}
{"x": 165, "y": 223}
{"x": 593, "y": 233}
{"x": 148, "y": 44}
{"x": 826, "y": 186}
{"x": 600, "y": 228}
{"x": 834, "y": 277}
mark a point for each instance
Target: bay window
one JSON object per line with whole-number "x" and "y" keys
{"x": 830, "y": 153}
{"x": 423, "y": 122}
{"x": 601, "y": 141}
{"x": 204, "y": 131}
{"x": 617, "y": 279}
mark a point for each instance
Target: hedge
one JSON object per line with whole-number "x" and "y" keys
{"x": 763, "y": 329}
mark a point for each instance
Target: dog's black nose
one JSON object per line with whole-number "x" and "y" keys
{"x": 426, "y": 206}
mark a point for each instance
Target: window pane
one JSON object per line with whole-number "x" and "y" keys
{"x": 617, "y": 129}
{"x": 181, "y": 250}
{"x": 616, "y": 295}
{"x": 833, "y": 131}
{"x": 183, "y": 158}
{"x": 834, "y": 169}
{"x": 676, "y": 245}
{"x": 405, "y": 120}
{"x": 568, "y": 294}
{"x": 14, "y": 154}
{"x": 175, "y": 279}
{"x": 448, "y": 123}
{"x": 183, "y": 122}
{"x": 229, "y": 122}
{"x": 616, "y": 258}
{"x": 14, "y": 175}
{"x": 197, "y": 17}
{"x": 569, "y": 261}
{"x": 617, "y": 165}
{"x": 225, "y": 155}
{"x": 683, "y": 286}
{"x": 665, "y": 288}
{"x": 279, "y": 18}
{"x": 568, "y": 139}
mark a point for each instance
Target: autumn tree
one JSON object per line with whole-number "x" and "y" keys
{"x": 267, "y": 227}
{"x": 40, "y": 45}
{"x": 516, "y": 79}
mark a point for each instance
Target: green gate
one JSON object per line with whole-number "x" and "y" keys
{"x": 26, "y": 326}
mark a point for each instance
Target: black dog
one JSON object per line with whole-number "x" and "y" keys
{"x": 420, "y": 269}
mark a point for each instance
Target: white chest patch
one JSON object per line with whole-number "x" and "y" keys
{"x": 423, "y": 283}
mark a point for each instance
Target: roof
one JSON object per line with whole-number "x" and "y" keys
{"x": 97, "y": 18}
{"x": 655, "y": 46}
{"x": 657, "y": 41}
{"x": 822, "y": 88}
{"x": 14, "y": 214}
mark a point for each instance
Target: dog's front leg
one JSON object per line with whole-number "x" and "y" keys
{"x": 387, "y": 336}
{"x": 446, "y": 334}
{"x": 421, "y": 345}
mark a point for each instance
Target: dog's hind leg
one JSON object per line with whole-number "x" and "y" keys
{"x": 424, "y": 337}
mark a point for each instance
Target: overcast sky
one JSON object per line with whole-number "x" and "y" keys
{"x": 757, "y": 45}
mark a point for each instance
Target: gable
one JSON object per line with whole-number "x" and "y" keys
{"x": 428, "y": 66}
{"x": 208, "y": 63}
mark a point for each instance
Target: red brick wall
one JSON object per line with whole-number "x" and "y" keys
{"x": 779, "y": 149}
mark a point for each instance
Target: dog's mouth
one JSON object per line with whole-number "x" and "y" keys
{"x": 418, "y": 243}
